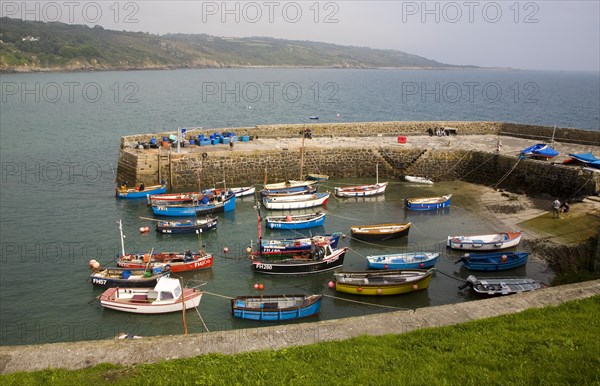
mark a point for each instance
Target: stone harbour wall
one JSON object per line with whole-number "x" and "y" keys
{"x": 363, "y": 129}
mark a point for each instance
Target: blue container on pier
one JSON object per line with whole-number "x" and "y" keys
{"x": 225, "y": 140}
{"x": 245, "y": 138}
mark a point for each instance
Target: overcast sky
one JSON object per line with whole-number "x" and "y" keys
{"x": 541, "y": 35}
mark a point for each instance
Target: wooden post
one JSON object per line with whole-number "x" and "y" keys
{"x": 302, "y": 158}
{"x": 185, "y": 329}
{"x": 170, "y": 170}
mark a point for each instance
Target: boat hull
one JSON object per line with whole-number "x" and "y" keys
{"x": 183, "y": 227}
{"x": 418, "y": 180}
{"x": 361, "y": 191}
{"x": 296, "y": 222}
{"x": 137, "y": 279}
{"x": 381, "y": 232}
{"x": 311, "y": 306}
{"x": 501, "y": 286}
{"x": 430, "y": 203}
{"x": 299, "y": 267}
{"x": 297, "y": 244}
{"x": 485, "y": 242}
{"x": 295, "y": 202}
{"x": 195, "y": 264}
{"x": 195, "y": 210}
{"x": 114, "y": 298}
{"x": 403, "y": 261}
{"x": 366, "y": 288}
{"x": 495, "y": 261}
{"x": 132, "y": 193}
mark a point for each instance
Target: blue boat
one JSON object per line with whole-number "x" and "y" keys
{"x": 130, "y": 193}
{"x": 276, "y": 308}
{"x": 207, "y": 205}
{"x": 587, "y": 159}
{"x": 428, "y": 203}
{"x": 539, "y": 150}
{"x": 186, "y": 226}
{"x": 301, "y": 221}
{"x": 297, "y": 244}
{"x": 494, "y": 261}
{"x": 413, "y": 260}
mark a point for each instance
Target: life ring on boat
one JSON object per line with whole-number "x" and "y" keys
{"x": 204, "y": 155}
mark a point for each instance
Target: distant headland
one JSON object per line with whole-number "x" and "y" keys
{"x": 35, "y": 46}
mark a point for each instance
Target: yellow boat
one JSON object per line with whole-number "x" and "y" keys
{"x": 387, "y": 282}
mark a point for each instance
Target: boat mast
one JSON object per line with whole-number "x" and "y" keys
{"x": 376, "y": 173}
{"x": 122, "y": 238}
{"x": 302, "y": 156}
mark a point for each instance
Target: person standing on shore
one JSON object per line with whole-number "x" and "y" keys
{"x": 556, "y": 208}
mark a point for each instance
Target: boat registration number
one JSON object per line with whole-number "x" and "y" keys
{"x": 99, "y": 281}
{"x": 264, "y": 266}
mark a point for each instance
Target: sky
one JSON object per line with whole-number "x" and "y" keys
{"x": 536, "y": 35}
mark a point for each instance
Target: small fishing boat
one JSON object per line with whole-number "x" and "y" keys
{"x": 174, "y": 198}
{"x": 186, "y": 226}
{"x": 166, "y": 296}
{"x": 314, "y": 117}
{"x": 274, "y": 308}
{"x": 486, "y": 242}
{"x": 418, "y": 180}
{"x": 297, "y": 244}
{"x": 239, "y": 192}
{"x": 380, "y": 232}
{"x": 289, "y": 192}
{"x": 494, "y": 261}
{"x": 388, "y": 282}
{"x": 501, "y": 286}
{"x": 207, "y": 205}
{"x": 176, "y": 262}
{"x": 428, "y": 203}
{"x": 361, "y": 190}
{"x": 412, "y": 260}
{"x": 317, "y": 177}
{"x": 320, "y": 258}
{"x": 136, "y": 193}
{"x": 291, "y": 184}
{"x": 300, "y": 221}
{"x": 539, "y": 150}
{"x": 300, "y": 201}
{"x": 124, "y": 277}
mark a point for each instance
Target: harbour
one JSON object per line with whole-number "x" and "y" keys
{"x": 64, "y": 220}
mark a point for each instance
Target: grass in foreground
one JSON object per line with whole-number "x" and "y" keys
{"x": 553, "y": 345}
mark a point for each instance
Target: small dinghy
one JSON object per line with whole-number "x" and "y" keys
{"x": 276, "y": 307}
{"x": 494, "y": 261}
{"x": 388, "y": 282}
{"x": 412, "y": 260}
{"x": 418, "y": 180}
{"x": 428, "y": 203}
{"x": 501, "y": 286}
{"x": 166, "y": 296}
{"x": 485, "y": 242}
{"x": 379, "y": 232}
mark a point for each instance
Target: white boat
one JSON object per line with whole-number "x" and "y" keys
{"x": 289, "y": 184}
{"x": 485, "y": 242}
{"x": 243, "y": 191}
{"x": 300, "y": 201}
{"x": 418, "y": 180}
{"x": 362, "y": 190}
{"x": 166, "y": 296}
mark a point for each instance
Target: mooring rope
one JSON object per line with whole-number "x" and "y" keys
{"x": 214, "y": 294}
{"x": 507, "y": 173}
{"x": 366, "y": 303}
{"x": 202, "y": 320}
